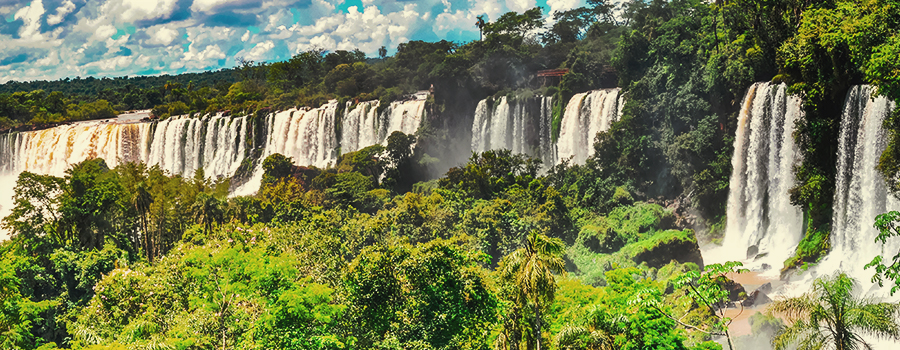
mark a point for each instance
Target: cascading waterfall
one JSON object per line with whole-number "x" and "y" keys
{"x": 363, "y": 126}
{"x": 587, "y": 114}
{"x": 860, "y": 194}
{"x": 307, "y": 135}
{"x": 519, "y": 125}
{"x": 179, "y": 145}
{"x": 761, "y": 220}
{"x": 216, "y": 144}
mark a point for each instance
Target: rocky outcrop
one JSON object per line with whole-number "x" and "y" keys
{"x": 666, "y": 246}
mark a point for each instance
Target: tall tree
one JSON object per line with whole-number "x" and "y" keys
{"x": 830, "y": 317}
{"x": 532, "y": 269}
{"x": 207, "y": 210}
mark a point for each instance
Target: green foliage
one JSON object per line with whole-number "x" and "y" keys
{"x": 812, "y": 247}
{"x": 231, "y": 295}
{"x": 830, "y": 316}
{"x": 529, "y": 274}
{"x": 491, "y": 172}
{"x": 888, "y": 225}
{"x": 18, "y": 313}
{"x": 276, "y": 167}
{"x": 433, "y": 293}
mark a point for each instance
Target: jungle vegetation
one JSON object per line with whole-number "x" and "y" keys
{"x": 490, "y": 253}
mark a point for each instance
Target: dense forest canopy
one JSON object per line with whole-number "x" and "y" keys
{"x": 375, "y": 252}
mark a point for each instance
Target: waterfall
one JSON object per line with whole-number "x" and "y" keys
{"x": 587, "y": 114}
{"x": 761, "y": 220}
{"x": 363, "y": 126}
{"x": 307, "y": 135}
{"x": 860, "y": 193}
{"x": 177, "y": 145}
{"x": 519, "y": 125}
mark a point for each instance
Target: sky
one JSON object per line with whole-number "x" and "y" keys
{"x": 55, "y": 39}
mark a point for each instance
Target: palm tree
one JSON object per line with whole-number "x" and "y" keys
{"x": 480, "y": 23}
{"x": 531, "y": 269}
{"x": 207, "y": 210}
{"x": 141, "y": 200}
{"x": 830, "y": 317}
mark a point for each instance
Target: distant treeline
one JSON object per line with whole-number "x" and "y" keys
{"x": 91, "y": 86}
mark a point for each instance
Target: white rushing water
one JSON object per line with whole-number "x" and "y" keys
{"x": 587, "y": 114}
{"x": 524, "y": 125}
{"x": 179, "y": 145}
{"x": 310, "y": 137}
{"x": 363, "y": 126}
{"x": 216, "y": 144}
{"x": 762, "y": 225}
{"x": 860, "y": 194}
{"x": 521, "y": 126}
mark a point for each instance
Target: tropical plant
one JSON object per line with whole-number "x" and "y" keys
{"x": 707, "y": 291}
{"x": 531, "y": 269}
{"x": 208, "y": 210}
{"x": 597, "y": 333}
{"x": 831, "y": 317}
{"x": 888, "y": 225}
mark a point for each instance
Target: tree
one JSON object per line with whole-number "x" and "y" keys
{"x": 532, "y": 269}
{"x": 707, "y": 291}
{"x": 888, "y": 225}
{"x": 399, "y": 151}
{"x": 207, "y": 210}
{"x": 830, "y": 317}
{"x": 597, "y": 333}
{"x": 512, "y": 28}
{"x": 433, "y": 295}
{"x": 480, "y": 23}
{"x": 382, "y": 52}
{"x": 275, "y": 167}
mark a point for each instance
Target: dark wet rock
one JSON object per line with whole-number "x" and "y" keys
{"x": 766, "y": 288}
{"x": 757, "y": 298}
{"x": 752, "y": 251}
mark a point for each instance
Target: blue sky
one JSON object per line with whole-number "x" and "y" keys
{"x": 53, "y": 39}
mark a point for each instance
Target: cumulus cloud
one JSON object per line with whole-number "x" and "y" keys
{"x": 52, "y": 39}
{"x": 61, "y": 13}
{"x": 130, "y": 11}
{"x": 162, "y": 36}
{"x": 31, "y": 16}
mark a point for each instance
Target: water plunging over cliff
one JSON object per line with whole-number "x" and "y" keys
{"x": 761, "y": 220}
{"x": 519, "y": 125}
{"x": 363, "y": 126}
{"x": 587, "y": 114}
{"x": 860, "y": 193}
{"x": 179, "y": 145}
{"x": 217, "y": 144}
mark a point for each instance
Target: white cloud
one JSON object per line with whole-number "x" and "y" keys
{"x": 520, "y": 5}
{"x": 212, "y": 5}
{"x": 130, "y": 11}
{"x": 103, "y": 32}
{"x": 562, "y": 5}
{"x": 258, "y": 52}
{"x": 31, "y": 16}
{"x": 162, "y": 36}
{"x": 61, "y": 13}
{"x": 203, "y": 59}
{"x": 81, "y": 42}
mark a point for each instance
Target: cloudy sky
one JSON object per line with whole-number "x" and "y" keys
{"x": 53, "y": 39}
